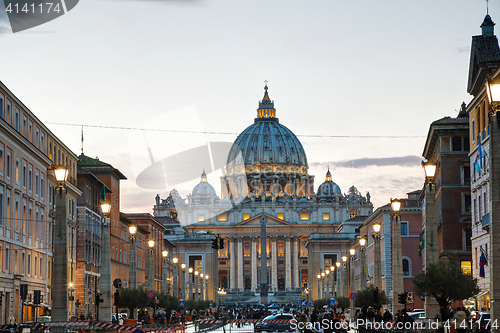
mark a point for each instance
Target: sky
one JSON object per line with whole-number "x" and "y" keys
{"x": 359, "y": 83}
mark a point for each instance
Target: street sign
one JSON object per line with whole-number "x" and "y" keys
{"x": 353, "y": 296}
{"x": 303, "y": 295}
{"x": 211, "y": 306}
{"x": 409, "y": 297}
{"x": 181, "y": 303}
{"x": 89, "y": 293}
{"x": 117, "y": 283}
{"x": 332, "y": 302}
{"x": 303, "y": 302}
{"x": 151, "y": 294}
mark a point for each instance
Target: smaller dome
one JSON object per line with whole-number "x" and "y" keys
{"x": 304, "y": 200}
{"x": 203, "y": 188}
{"x": 329, "y": 187}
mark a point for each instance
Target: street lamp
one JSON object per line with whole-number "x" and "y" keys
{"x": 332, "y": 270}
{"x": 397, "y": 264}
{"x": 105, "y": 309}
{"x": 183, "y": 281}
{"x": 362, "y": 275}
{"x": 60, "y": 285}
{"x": 327, "y": 284}
{"x": 344, "y": 276}
{"x": 319, "y": 286}
{"x": 337, "y": 285}
{"x": 132, "y": 262}
{"x": 164, "y": 282}
{"x": 175, "y": 260}
{"x": 202, "y": 283}
{"x": 377, "y": 256}
{"x": 190, "y": 283}
{"x": 196, "y": 273}
{"x": 352, "y": 252}
{"x": 151, "y": 268}
{"x": 206, "y": 287}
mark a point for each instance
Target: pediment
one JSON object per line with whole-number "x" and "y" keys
{"x": 270, "y": 221}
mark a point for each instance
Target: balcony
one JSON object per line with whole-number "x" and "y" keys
{"x": 486, "y": 221}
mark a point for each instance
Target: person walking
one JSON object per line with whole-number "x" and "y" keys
{"x": 460, "y": 320}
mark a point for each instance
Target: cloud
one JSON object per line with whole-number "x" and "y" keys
{"x": 463, "y": 49}
{"x": 403, "y": 161}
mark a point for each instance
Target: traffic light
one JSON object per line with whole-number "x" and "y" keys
{"x": 215, "y": 244}
{"x": 375, "y": 296}
{"x": 24, "y": 291}
{"x": 221, "y": 243}
{"x": 1, "y": 296}
{"x": 37, "y": 296}
{"x": 98, "y": 298}
{"x": 402, "y": 298}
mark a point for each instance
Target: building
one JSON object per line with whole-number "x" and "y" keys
{"x": 266, "y": 172}
{"x": 485, "y": 54}
{"x": 447, "y": 146}
{"x": 28, "y": 153}
{"x": 411, "y": 227}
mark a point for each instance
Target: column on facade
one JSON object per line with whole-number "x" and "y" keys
{"x": 288, "y": 268}
{"x": 274, "y": 261}
{"x": 306, "y": 186}
{"x": 232, "y": 263}
{"x": 240, "y": 263}
{"x": 296, "y": 281}
{"x": 254, "y": 263}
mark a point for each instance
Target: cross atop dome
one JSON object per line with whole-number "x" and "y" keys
{"x": 203, "y": 177}
{"x": 266, "y": 106}
{"x": 328, "y": 175}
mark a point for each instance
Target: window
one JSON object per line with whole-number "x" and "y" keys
{"x": 246, "y": 249}
{"x": 281, "y": 248}
{"x": 280, "y": 216}
{"x": 17, "y": 171}
{"x": 466, "y": 175}
{"x": 16, "y": 120}
{"x": 326, "y": 216}
{"x": 353, "y": 212}
{"x": 7, "y": 169}
{"x": 42, "y": 188}
{"x": 246, "y": 216}
{"x": 467, "y": 203}
{"x": 36, "y": 184}
{"x": 406, "y": 267}
{"x": 7, "y": 261}
{"x": 42, "y": 143}
{"x": 24, "y": 176}
{"x": 1, "y": 161}
{"x": 466, "y": 266}
{"x": 473, "y": 129}
{"x": 201, "y": 217}
{"x": 456, "y": 143}
{"x": 8, "y": 112}
{"x": 30, "y": 180}
{"x": 25, "y": 127}
{"x": 222, "y": 218}
{"x": 29, "y": 264}
{"x": 1, "y": 106}
{"x": 41, "y": 268}
{"x": 1, "y": 206}
{"x": 304, "y": 216}
{"x": 404, "y": 228}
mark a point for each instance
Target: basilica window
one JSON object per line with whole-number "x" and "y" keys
{"x": 246, "y": 216}
{"x": 201, "y": 217}
{"x": 222, "y": 218}
{"x": 246, "y": 249}
{"x": 353, "y": 212}
{"x": 326, "y": 216}
{"x": 304, "y": 216}
{"x": 280, "y": 216}
{"x": 281, "y": 248}
{"x": 303, "y": 248}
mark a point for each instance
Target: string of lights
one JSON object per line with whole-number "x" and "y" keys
{"x": 234, "y": 133}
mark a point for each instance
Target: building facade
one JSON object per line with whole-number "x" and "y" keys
{"x": 266, "y": 172}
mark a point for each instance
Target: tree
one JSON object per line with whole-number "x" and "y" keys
{"x": 344, "y": 302}
{"x": 366, "y": 297}
{"x": 133, "y": 298}
{"x": 445, "y": 281}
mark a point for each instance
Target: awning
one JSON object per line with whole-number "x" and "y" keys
{"x": 481, "y": 294}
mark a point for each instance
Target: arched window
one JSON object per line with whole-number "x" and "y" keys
{"x": 281, "y": 248}
{"x": 406, "y": 267}
{"x": 246, "y": 249}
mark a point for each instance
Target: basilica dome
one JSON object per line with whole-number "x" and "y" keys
{"x": 328, "y": 188}
{"x": 267, "y": 141}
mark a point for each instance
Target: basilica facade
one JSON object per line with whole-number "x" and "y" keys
{"x": 266, "y": 173}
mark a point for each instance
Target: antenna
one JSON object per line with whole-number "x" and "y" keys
{"x": 487, "y": 7}
{"x": 82, "y": 139}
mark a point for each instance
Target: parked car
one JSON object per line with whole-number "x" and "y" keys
{"x": 267, "y": 324}
{"x": 417, "y": 314}
{"x": 482, "y": 323}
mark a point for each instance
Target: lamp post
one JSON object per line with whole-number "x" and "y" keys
{"x": 327, "y": 284}
{"x": 206, "y": 289}
{"x": 132, "y": 261}
{"x": 344, "y": 276}
{"x": 429, "y": 226}
{"x": 164, "y": 282}
{"x": 397, "y": 260}
{"x": 377, "y": 275}
{"x": 195, "y": 297}
{"x": 183, "y": 281}
{"x": 151, "y": 268}
{"x": 337, "y": 285}
{"x": 319, "y": 286}
{"x": 175, "y": 278}
{"x": 190, "y": 283}
{"x": 106, "y": 308}
{"x": 351, "y": 283}
{"x": 362, "y": 273}
{"x": 60, "y": 286}
{"x": 202, "y": 283}
{"x": 332, "y": 269}
{"x": 323, "y": 285}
